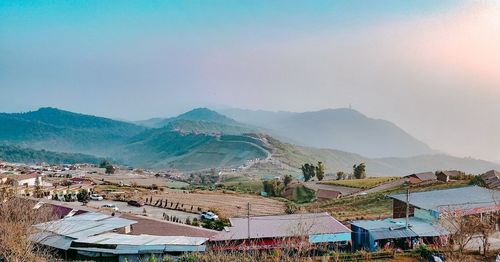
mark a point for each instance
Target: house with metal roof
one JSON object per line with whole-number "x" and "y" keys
{"x": 419, "y": 178}
{"x": 492, "y": 179}
{"x": 132, "y": 248}
{"x": 281, "y": 231}
{"x": 103, "y": 237}
{"x": 394, "y": 233}
{"x": 430, "y": 205}
{"x": 59, "y": 234}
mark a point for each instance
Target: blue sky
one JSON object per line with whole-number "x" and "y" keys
{"x": 424, "y": 65}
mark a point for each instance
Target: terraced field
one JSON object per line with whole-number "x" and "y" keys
{"x": 227, "y": 204}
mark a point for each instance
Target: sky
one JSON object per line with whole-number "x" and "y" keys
{"x": 431, "y": 67}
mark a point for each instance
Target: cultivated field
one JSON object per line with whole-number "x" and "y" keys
{"x": 227, "y": 204}
{"x": 373, "y": 205}
{"x": 365, "y": 183}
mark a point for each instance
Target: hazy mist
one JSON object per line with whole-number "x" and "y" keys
{"x": 431, "y": 67}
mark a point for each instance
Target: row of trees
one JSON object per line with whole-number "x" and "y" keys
{"x": 358, "y": 172}
{"x": 310, "y": 171}
{"x": 110, "y": 169}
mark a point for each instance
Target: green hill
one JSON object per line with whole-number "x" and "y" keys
{"x": 163, "y": 148}
{"x": 195, "y": 115}
{"x": 58, "y": 130}
{"x": 16, "y": 154}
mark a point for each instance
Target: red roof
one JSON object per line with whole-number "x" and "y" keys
{"x": 158, "y": 227}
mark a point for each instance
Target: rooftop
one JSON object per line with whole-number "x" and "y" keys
{"x": 152, "y": 226}
{"x": 139, "y": 240}
{"x": 471, "y": 199}
{"x": 84, "y": 225}
{"x": 396, "y": 228}
{"x": 424, "y": 176}
{"x": 282, "y": 226}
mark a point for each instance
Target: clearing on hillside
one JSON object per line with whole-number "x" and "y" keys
{"x": 228, "y": 204}
{"x": 365, "y": 183}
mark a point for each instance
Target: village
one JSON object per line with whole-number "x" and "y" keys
{"x": 132, "y": 215}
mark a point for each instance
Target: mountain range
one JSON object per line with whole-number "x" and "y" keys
{"x": 203, "y": 139}
{"x": 342, "y": 129}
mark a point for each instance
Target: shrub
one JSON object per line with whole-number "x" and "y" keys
{"x": 291, "y": 208}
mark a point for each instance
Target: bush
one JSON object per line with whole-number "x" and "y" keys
{"x": 291, "y": 208}
{"x": 478, "y": 181}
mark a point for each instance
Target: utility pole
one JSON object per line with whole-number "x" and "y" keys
{"x": 407, "y": 205}
{"x": 248, "y": 220}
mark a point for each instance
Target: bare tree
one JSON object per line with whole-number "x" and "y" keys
{"x": 17, "y": 217}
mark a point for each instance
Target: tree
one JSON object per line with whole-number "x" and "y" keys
{"x": 17, "y": 217}
{"x": 287, "y": 180}
{"x": 83, "y": 196}
{"x": 341, "y": 175}
{"x": 38, "y": 192}
{"x": 359, "y": 171}
{"x": 104, "y": 164}
{"x": 320, "y": 171}
{"x": 273, "y": 187}
{"x": 308, "y": 170}
{"x": 110, "y": 169}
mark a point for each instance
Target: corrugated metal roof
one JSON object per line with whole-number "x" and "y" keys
{"x": 137, "y": 240}
{"x": 85, "y": 225}
{"x": 396, "y": 228}
{"x": 378, "y": 224}
{"x": 392, "y": 234}
{"x": 281, "y": 226}
{"x": 52, "y": 240}
{"x": 455, "y": 199}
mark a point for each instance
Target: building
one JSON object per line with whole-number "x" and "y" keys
{"x": 431, "y": 205}
{"x": 59, "y": 234}
{"x": 98, "y": 236}
{"x": 492, "y": 179}
{"x": 392, "y": 233}
{"x": 419, "y": 178}
{"x": 27, "y": 180}
{"x": 158, "y": 227}
{"x": 282, "y": 231}
{"x": 325, "y": 194}
{"x": 425, "y": 212}
{"x": 446, "y": 176}
{"x": 131, "y": 248}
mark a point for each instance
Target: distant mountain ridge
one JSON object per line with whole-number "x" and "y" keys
{"x": 342, "y": 129}
{"x": 200, "y": 139}
{"x": 197, "y": 114}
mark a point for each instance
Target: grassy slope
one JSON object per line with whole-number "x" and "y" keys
{"x": 301, "y": 194}
{"x": 162, "y": 148}
{"x": 371, "y": 206}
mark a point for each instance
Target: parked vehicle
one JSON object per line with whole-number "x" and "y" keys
{"x": 110, "y": 206}
{"x": 96, "y": 197}
{"x": 136, "y": 203}
{"x": 209, "y": 216}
